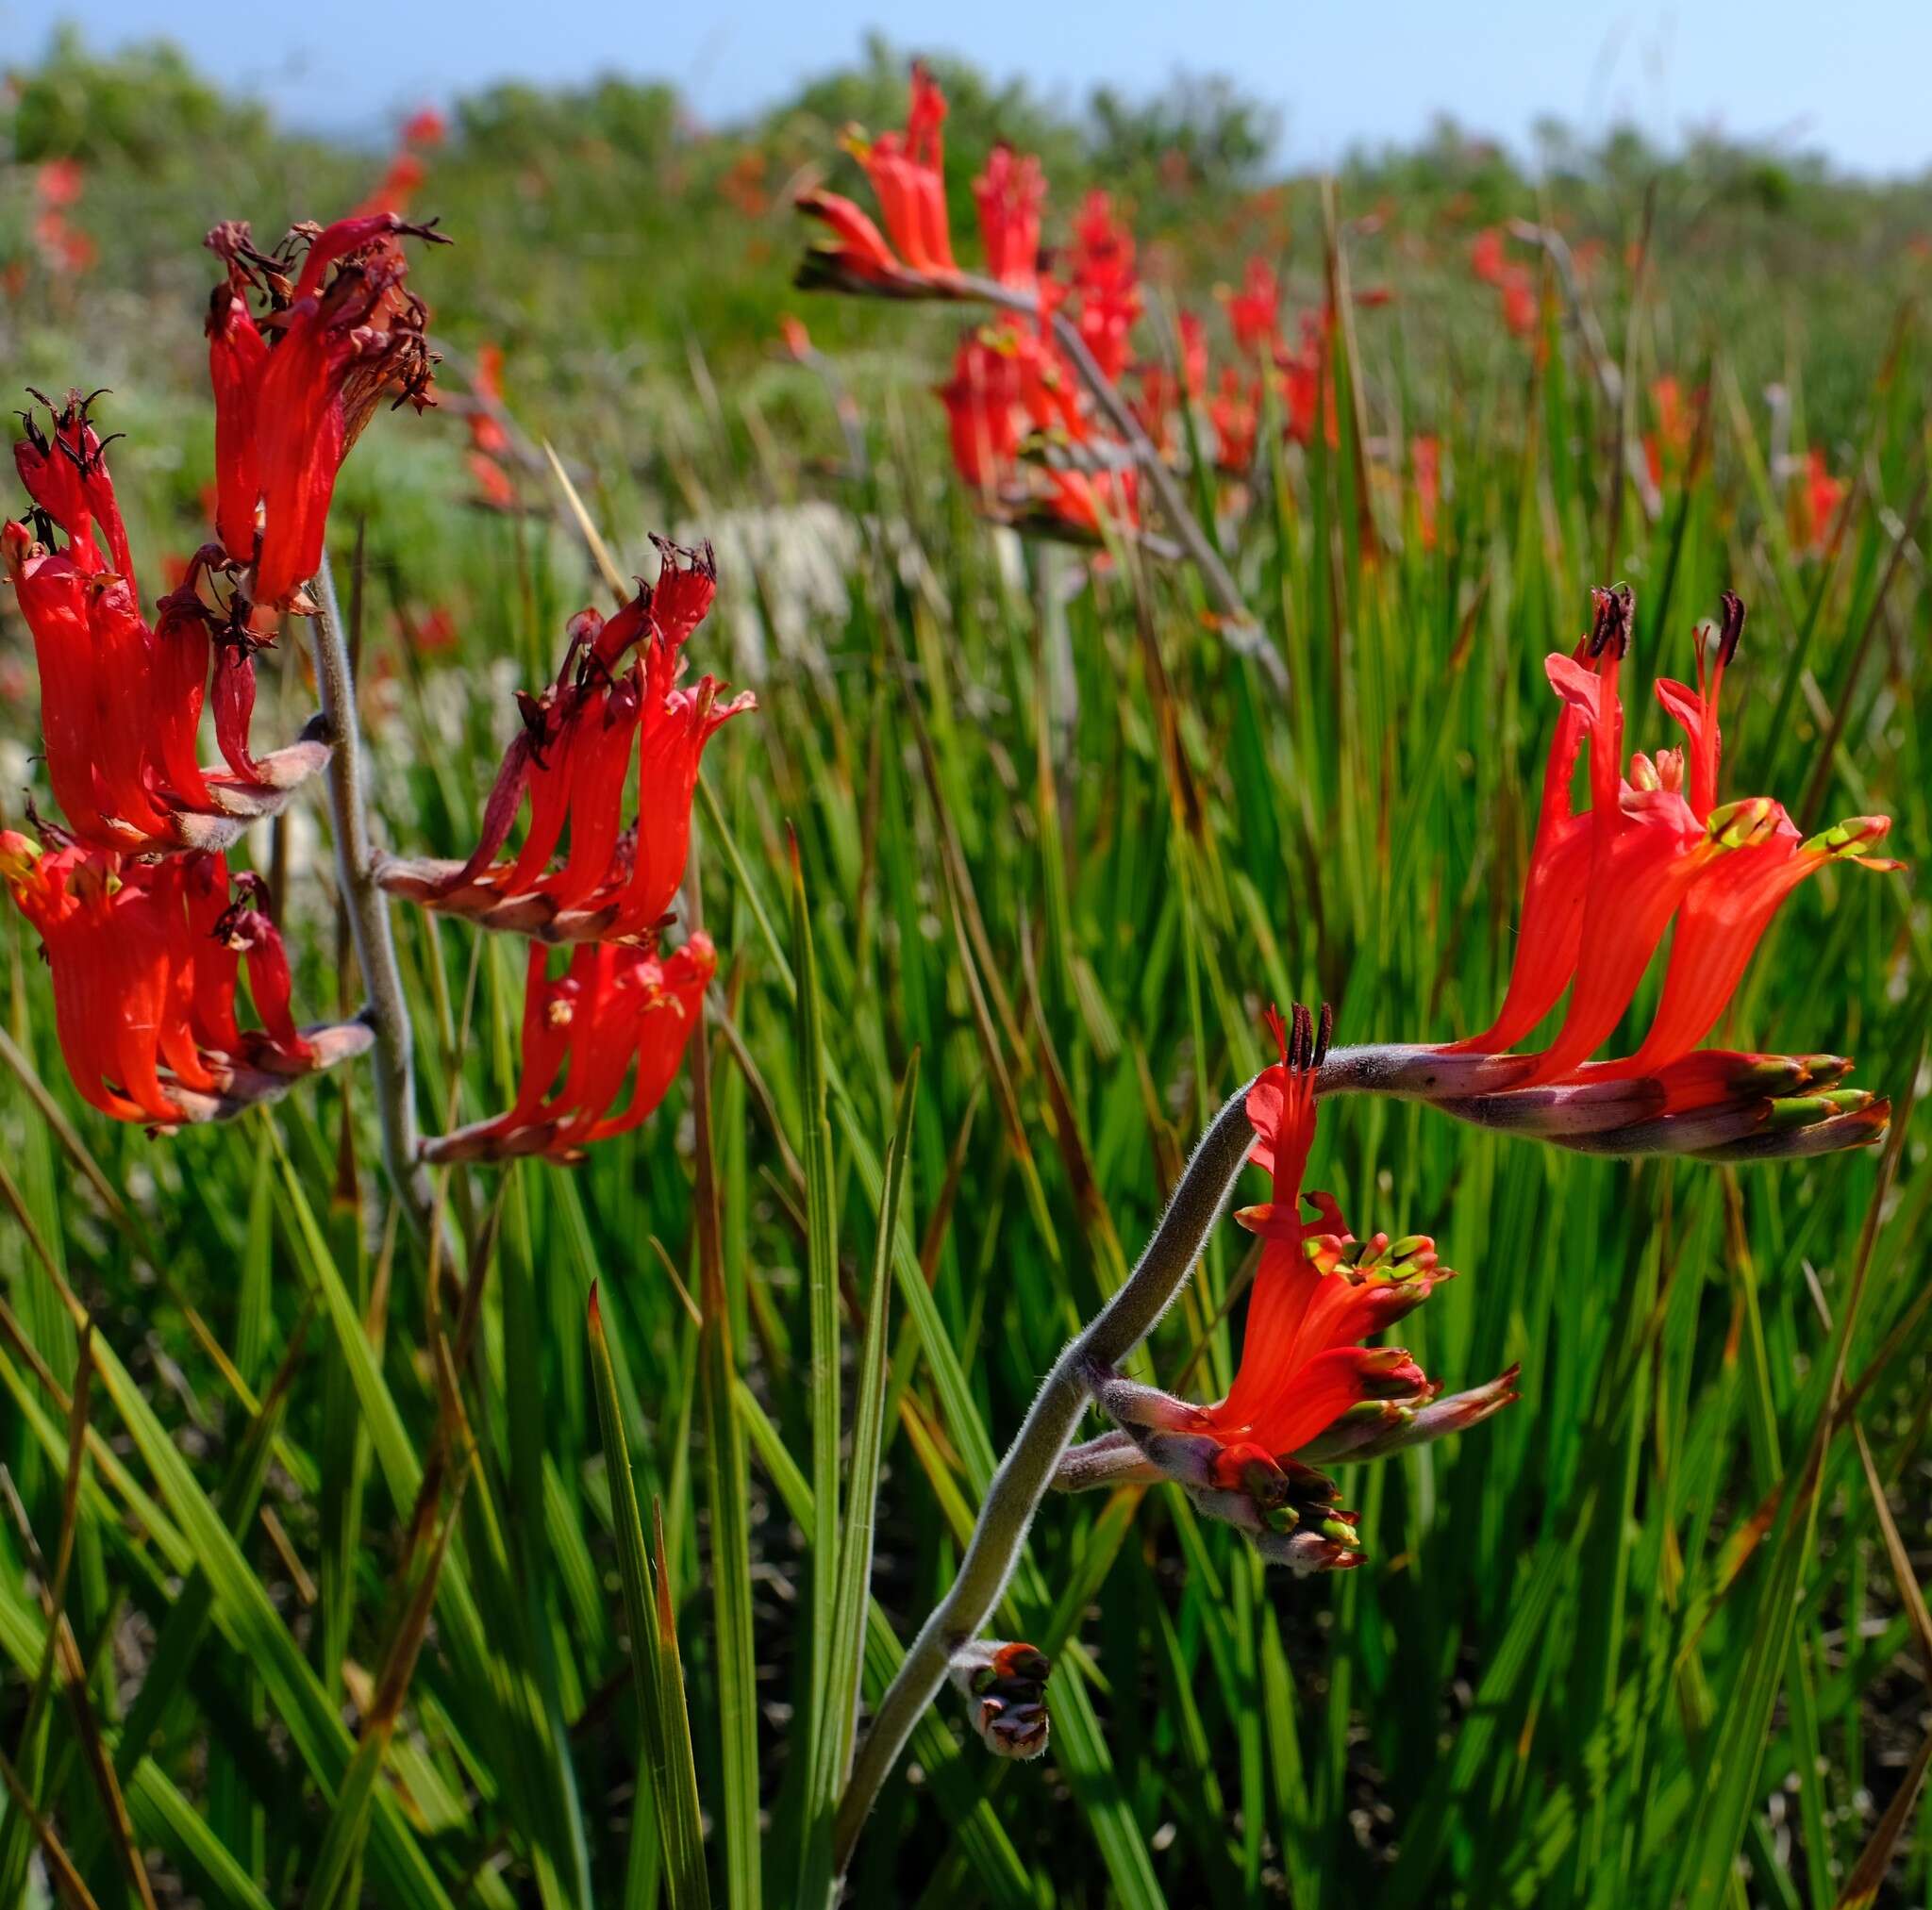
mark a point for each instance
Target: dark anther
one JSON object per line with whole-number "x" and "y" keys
{"x": 1732, "y": 627}
{"x": 1614, "y": 610}
{"x": 1324, "y": 1032}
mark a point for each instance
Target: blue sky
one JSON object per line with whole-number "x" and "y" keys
{"x": 1847, "y": 80}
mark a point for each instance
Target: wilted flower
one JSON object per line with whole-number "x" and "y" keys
{"x": 1305, "y": 1390}
{"x": 1005, "y": 1688}
{"x": 621, "y": 1009}
{"x": 121, "y": 701}
{"x": 294, "y": 387}
{"x": 570, "y": 760}
{"x": 146, "y": 959}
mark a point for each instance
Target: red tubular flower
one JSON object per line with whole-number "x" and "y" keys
{"x": 1816, "y": 503}
{"x": 1318, "y": 1291}
{"x": 986, "y": 405}
{"x": 1193, "y": 354}
{"x": 1106, "y": 293}
{"x": 908, "y": 174}
{"x": 1254, "y": 313}
{"x": 121, "y": 702}
{"x": 294, "y": 387}
{"x": 1009, "y": 193}
{"x": 1425, "y": 464}
{"x": 1606, "y": 884}
{"x": 571, "y": 761}
{"x": 1235, "y": 419}
{"x": 619, "y": 1010}
{"x": 1306, "y": 1388}
{"x": 488, "y": 438}
{"x": 1519, "y": 301}
{"x": 145, "y": 958}
{"x": 1486, "y": 255}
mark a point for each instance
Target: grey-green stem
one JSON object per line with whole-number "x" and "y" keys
{"x": 367, "y": 910}
{"x": 1026, "y": 1472}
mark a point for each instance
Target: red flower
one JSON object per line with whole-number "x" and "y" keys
{"x": 145, "y": 958}
{"x": 1193, "y": 354}
{"x": 1519, "y": 301}
{"x": 1105, "y": 292}
{"x": 295, "y": 388}
{"x": 121, "y": 702}
{"x": 1009, "y": 193}
{"x": 1425, "y": 464}
{"x": 1306, "y": 1389}
{"x": 58, "y": 182}
{"x": 1816, "y": 503}
{"x": 1308, "y": 381}
{"x": 1517, "y": 285}
{"x": 1235, "y": 419}
{"x": 1486, "y": 255}
{"x": 620, "y": 1009}
{"x": 1318, "y": 1291}
{"x": 1254, "y": 313}
{"x": 571, "y": 761}
{"x": 908, "y": 174}
{"x": 1605, "y": 884}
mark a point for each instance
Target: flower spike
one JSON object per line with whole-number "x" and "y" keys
{"x": 570, "y": 760}
{"x": 145, "y": 958}
{"x": 1656, "y": 850}
{"x": 120, "y": 701}
{"x": 295, "y": 384}
{"x": 619, "y": 1010}
{"x": 1306, "y": 1388}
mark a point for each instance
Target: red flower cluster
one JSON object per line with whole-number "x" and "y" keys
{"x": 121, "y": 700}
{"x": 1815, "y": 500}
{"x": 64, "y": 248}
{"x": 1011, "y": 388}
{"x": 1104, "y": 295}
{"x": 422, "y": 131}
{"x": 914, "y": 257}
{"x": 489, "y": 439}
{"x": 1652, "y": 846}
{"x": 1515, "y": 283}
{"x": 621, "y": 1007}
{"x": 295, "y": 387}
{"x": 1009, "y": 194}
{"x": 145, "y": 958}
{"x": 1306, "y": 1390}
{"x": 1667, "y": 449}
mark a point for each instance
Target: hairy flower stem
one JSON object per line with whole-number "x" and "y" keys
{"x": 1026, "y": 1472}
{"x": 367, "y": 910}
